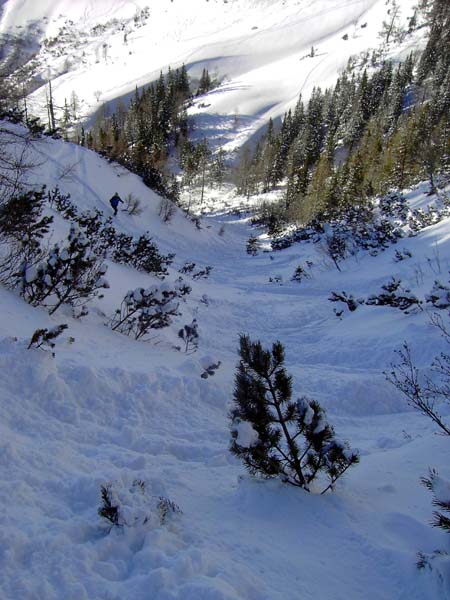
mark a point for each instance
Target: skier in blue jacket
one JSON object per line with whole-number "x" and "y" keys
{"x": 115, "y": 202}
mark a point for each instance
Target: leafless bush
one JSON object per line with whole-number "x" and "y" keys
{"x": 133, "y": 205}
{"x": 166, "y": 209}
{"x": 425, "y": 393}
{"x": 16, "y": 160}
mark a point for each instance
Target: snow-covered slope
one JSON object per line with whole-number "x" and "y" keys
{"x": 109, "y": 409}
{"x": 259, "y": 50}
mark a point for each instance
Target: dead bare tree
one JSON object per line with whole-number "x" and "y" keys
{"x": 17, "y": 160}
{"x": 425, "y": 392}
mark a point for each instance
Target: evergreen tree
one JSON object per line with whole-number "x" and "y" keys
{"x": 276, "y": 436}
{"x": 316, "y": 195}
{"x": 438, "y": 44}
{"x": 218, "y": 168}
{"x": 204, "y": 84}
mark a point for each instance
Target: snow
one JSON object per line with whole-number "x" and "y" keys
{"x": 109, "y": 410}
{"x": 30, "y": 274}
{"x": 246, "y": 436}
{"x": 258, "y": 49}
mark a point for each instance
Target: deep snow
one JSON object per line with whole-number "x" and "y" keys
{"x": 109, "y": 409}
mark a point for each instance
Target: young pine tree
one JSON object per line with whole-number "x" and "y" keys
{"x": 276, "y": 436}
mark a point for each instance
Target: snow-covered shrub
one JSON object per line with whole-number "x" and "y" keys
{"x": 21, "y": 217}
{"x": 70, "y": 274}
{"x": 393, "y": 294}
{"x": 275, "y": 436}
{"x": 202, "y": 273}
{"x": 63, "y": 204}
{"x": 439, "y": 296}
{"x": 348, "y": 299}
{"x": 188, "y": 268}
{"x": 394, "y": 205}
{"x": 276, "y": 279}
{"x": 420, "y": 218}
{"x": 141, "y": 253}
{"x": 189, "y": 335}
{"x": 91, "y": 222}
{"x": 133, "y": 506}
{"x": 143, "y": 310}
{"x": 120, "y": 245}
{"x": 210, "y": 367}
{"x": 368, "y": 226}
{"x": 44, "y": 338}
{"x": 145, "y": 256}
{"x": 402, "y": 255}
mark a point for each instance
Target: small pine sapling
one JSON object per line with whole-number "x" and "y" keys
{"x": 145, "y": 256}
{"x": 167, "y": 209}
{"x": 166, "y": 508}
{"x": 189, "y": 269}
{"x": 276, "y": 436}
{"x": 401, "y": 255}
{"x": 109, "y": 509}
{"x": 336, "y": 247}
{"x": 22, "y": 229}
{"x": 252, "y": 246}
{"x": 440, "y": 488}
{"x": 44, "y": 338}
{"x": 132, "y": 506}
{"x": 300, "y": 274}
{"x": 62, "y": 203}
{"x": 202, "y": 273}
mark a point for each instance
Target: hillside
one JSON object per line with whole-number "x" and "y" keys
{"x": 258, "y": 49}
{"x": 109, "y": 409}
{"x": 116, "y": 476}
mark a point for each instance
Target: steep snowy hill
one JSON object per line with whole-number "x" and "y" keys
{"x": 108, "y": 410}
{"x": 260, "y": 50}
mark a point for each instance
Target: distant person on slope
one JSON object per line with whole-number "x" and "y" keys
{"x": 115, "y": 202}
